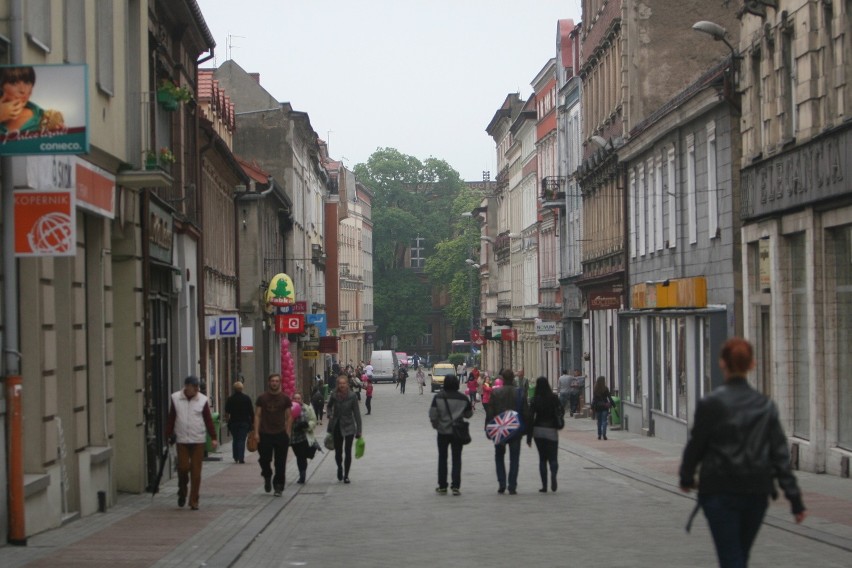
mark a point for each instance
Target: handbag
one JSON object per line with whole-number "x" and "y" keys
{"x": 560, "y": 416}
{"x": 360, "y": 446}
{"x": 251, "y": 443}
{"x": 461, "y": 428}
{"x": 506, "y": 426}
{"x": 329, "y": 441}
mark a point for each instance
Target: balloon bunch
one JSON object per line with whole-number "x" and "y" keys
{"x": 288, "y": 372}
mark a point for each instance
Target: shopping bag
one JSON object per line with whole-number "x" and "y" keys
{"x": 359, "y": 447}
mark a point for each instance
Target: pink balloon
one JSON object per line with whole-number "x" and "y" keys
{"x": 296, "y": 411}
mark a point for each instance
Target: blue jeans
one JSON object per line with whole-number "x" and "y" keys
{"x": 446, "y": 441}
{"x": 603, "y": 415}
{"x": 239, "y": 431}
{"x": 514, "y": 460}
{"x": 734, "y": 522}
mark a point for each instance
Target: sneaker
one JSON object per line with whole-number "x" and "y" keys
{"x": 267, "y": 484}
{"x": 277, "y": 493}
{"x": 553, "y": 483}
{"x": 345, "y": 480}
{"x": 512, "y": 492}
{"x": 194, "y": 507}
{"x": 441, "y": 490}
{"x": 181, "y": 500}
{"x": 605, "y": 438}
{"x": 340, "y": 473}
{"x": 456, "y": 491}
{"x": 501, "y": 490}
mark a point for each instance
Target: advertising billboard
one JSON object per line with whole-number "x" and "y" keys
{"x": 43, "y": 109}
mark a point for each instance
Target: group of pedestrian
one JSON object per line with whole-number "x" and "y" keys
{"x": 737, "y": 440}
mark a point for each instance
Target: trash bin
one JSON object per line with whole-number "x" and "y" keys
{"x": 216, "y": 423}
{"x": 615, "y": 411}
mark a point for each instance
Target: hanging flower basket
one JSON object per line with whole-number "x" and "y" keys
{"x": 151, "y": 161}
{"x": 169, "y": 95}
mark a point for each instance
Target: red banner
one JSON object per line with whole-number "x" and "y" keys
{"x": 476, "y": 337}
{"x": 509, "y": 334}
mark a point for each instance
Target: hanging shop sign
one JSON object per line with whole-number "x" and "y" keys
{"x": 45, "y": 223}
{"x": 280, "y": 293}
{"x": 673, "y": 293}
{"x": 292, "y": 323}
{"x": 604, "y": 300}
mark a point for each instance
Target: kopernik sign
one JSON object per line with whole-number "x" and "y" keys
{"x": 43, "y": 109}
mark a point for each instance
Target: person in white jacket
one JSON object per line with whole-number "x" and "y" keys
{"x": 189, "y": 423}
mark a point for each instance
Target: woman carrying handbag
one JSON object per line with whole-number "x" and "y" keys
{"x": 344, "y": 423}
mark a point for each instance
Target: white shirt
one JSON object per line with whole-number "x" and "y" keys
{"x": 369, "y": 370}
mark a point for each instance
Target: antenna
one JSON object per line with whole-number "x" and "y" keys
{"x": 229, "y": 45}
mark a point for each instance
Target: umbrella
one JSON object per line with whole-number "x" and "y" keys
{"x": 156, "y": 488}
{"x": 503, "y": 427}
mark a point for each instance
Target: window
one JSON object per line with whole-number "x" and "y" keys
{"x": 671, "y": 195}
{"x": 658, "y": 202}
{"x": 657, "y": 348}
{"x": 633, "y": 213}
{"x": 712, "y": 190}
{"x": 75, "y": 31}
{"x": 651, "y": 206}
{"x": 841, "y": 244}
{"x": 37, "y": 23}
{"x": 800, "y": 360}
{"x": 757, "y": 102}
{"x": 104, "y": 46}
{"x": 643, "y": 199}
{"x": 690, "y": 189}
{"x": 706, "y": 358}
{"x": 636, "y": 340}
{"x": 788, "y": 71}
{"x": 680, "y": 377}
{"x": 417, "y": 260}
{"x": 426, "y": 338}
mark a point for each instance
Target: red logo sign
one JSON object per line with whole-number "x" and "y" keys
{"x": 509, "y": 334}
{"x": 476, "y": 337}
{"x": 300, "y": 307}
{"x": 290, "y": 323}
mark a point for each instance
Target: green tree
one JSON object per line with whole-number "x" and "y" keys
{"x": 412, "y": 198}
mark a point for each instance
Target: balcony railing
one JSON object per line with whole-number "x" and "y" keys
{"x": 552, "y": 191}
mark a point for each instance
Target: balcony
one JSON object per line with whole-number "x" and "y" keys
{"x": 552, "y": 192}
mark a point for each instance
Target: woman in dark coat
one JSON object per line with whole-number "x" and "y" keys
{"x": 344, "y": 422}
{"x": 544, "y": 413}
{"x": 601, "y": 403}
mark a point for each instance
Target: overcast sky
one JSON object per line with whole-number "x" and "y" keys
{"x": 422, "y": 76}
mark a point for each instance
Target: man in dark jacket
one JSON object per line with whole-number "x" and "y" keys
{"x": 508, "y": 397}
{"x": 742, "y": 449}
{"x": 239, "y": 414}
{"x": 447, "y": 407}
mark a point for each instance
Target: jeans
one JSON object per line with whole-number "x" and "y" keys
{"x": 603, "y": 415}
{"x": 446, "y": 441}
{"x": 369, "y": 404}
{"x": 548, "y": 450}
{"x": 514, "y": 459}
{"x": 269, "y": 446}
{"x": 300, "y": 450}
{"x": 189, "y": 458}
{"x": 734, "y": 522}
{"x": 564, "y": 400}
{"x": 574, "y": 400}
{"x": 343, "y": 456}
{"x": 239, "y": 431}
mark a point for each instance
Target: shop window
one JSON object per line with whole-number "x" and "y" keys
{"x": 635, "y": 393}
{"x": 657, "y": 363}
{"x": 841, "y": 243}
{"x": 705, "y": 357}
{"x": 681, "y": 407}
{"x": 799, "y": 354}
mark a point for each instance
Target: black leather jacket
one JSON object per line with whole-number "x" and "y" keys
{"x": 740, "y": 444}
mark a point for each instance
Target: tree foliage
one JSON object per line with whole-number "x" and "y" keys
{"x": 415, "y": 198}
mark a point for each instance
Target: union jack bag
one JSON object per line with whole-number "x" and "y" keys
{"x": 506, "y": 425}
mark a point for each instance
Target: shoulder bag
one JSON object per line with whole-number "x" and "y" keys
{"x": 560, "y": 416}
{"x": 461, "y": 428}
{"x": 507, "y": 425}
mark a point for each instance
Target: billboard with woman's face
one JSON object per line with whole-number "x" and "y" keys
{"x": 43, "y": 109}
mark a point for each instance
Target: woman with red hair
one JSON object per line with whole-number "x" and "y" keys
{"x": 738, "y": 440}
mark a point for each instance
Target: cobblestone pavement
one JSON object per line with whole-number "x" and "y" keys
{"x": 617, "y": 506}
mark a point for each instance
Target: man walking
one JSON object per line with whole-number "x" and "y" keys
{"x": 189, "y": 420}
{"x": 239, "y": 414}
{"x": 272, "y": 426}
{"x": 508, "y": 397}
{"x": 575, "y": 389}
{"x": 564, "y": 386}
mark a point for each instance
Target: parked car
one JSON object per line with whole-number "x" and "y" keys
{"x": 438, "y": 372}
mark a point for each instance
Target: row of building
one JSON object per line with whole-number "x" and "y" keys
{"x": 198, "y": 188}
{"x": 660, "y": 192}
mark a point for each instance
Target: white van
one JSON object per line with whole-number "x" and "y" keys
{"x": 385, "y": 366}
